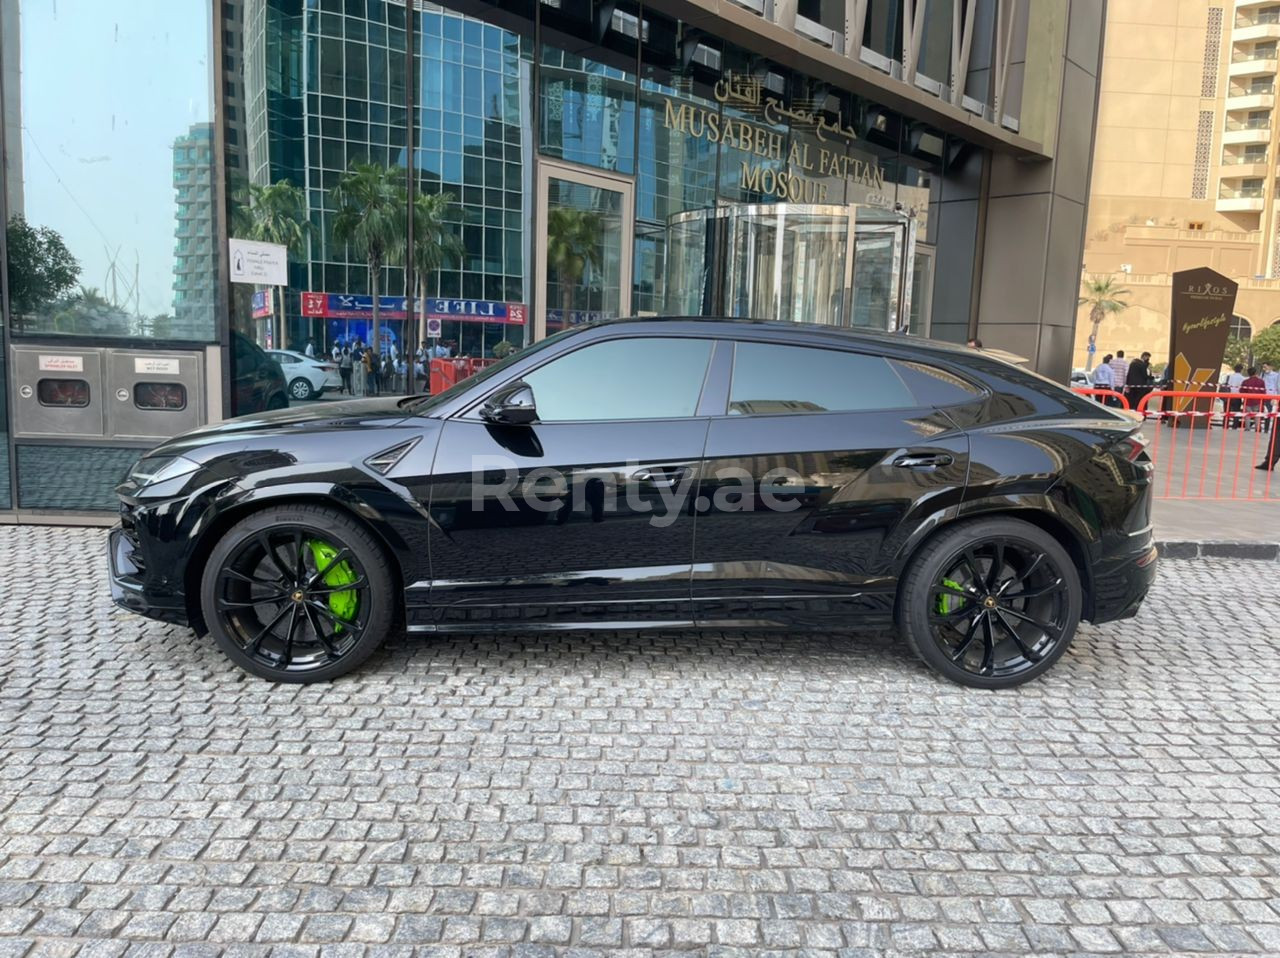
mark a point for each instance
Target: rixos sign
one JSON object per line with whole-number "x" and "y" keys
{"x": 803, "y": 163}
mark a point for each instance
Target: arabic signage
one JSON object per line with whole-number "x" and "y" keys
{"x": 350, "y": 306}
{"x": 1203, "y": 304}
{"x": 261, "y": 304}
{"x": 263, "y": 263}
{"x": 800, "y": 171}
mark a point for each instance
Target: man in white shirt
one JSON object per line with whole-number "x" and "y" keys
{"x": 1104, "y": 378}
{"x": 1119, "y": 371}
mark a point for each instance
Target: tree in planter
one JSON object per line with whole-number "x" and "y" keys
{"x": 434, "y": 245}
{"x": 41, "y": 268}
{"x": 573, "y": 244}
{"x": 1104, "y": 298}
{"x": 275, "y": 213}
{"x": 370, "y": 218}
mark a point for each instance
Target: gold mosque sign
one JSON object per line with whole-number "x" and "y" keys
{"x": 798, "y": 180}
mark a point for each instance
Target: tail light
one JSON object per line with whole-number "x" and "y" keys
{"x": 1132, "y": 447}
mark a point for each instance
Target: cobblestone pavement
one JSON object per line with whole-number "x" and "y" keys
{"x": 601, "y": 794}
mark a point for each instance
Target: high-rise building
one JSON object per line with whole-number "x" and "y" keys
{"x": 195, "y": 263}
{"x": 1185, "y": 170}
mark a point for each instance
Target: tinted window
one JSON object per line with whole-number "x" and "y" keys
{"x": 623, "y": 379}
{"x": 770, "y": 379}
{"x": 62, "y": 392}
{"x": 933, "y": 386}
{"x": 160, "y": 395}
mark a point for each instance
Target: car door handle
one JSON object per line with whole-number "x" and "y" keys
{"x": 924, "y": 462}
{"x": 661, "y": 475}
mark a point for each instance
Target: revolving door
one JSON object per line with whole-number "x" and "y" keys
{"x": 837, "y": 265}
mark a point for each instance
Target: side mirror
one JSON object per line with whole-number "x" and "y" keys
{"x": 512, "y": 405}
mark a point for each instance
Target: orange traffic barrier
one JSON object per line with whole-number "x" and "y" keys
{"x": 1103, "y": 395}
{"x": 444, "y": 373}
{"x": 1227, "y": 436}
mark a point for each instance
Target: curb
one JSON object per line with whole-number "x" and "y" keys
{"x": 1264, "y": 551}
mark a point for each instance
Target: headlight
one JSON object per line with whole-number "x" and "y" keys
{"x": 152, "y": 469}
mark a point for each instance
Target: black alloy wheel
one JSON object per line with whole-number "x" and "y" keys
{"x": 297, "y": 594}
{"x": 992, "y": 603}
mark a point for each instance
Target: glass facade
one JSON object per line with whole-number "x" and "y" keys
{"x": 569, "y": 162}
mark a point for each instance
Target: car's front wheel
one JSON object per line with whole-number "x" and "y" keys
{"x": 991, "y": 603}
{"x": 297, "y": 594}
{"x": 301, "y": 389}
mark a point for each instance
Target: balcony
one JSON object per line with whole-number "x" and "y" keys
{"x": 1253, "y": 18}
{"x": 1263, "y": 30}
{"x": 1248, "y": 199}
{"x": 1251, "y": 4}
{"x": 1250, "y": 101}
{"x": 1253, "y": 63}
{"x": 1240, "y": 166}
{"x": 1246, "y": 131}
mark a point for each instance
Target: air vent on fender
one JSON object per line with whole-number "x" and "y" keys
{"x": 383, "y": 462}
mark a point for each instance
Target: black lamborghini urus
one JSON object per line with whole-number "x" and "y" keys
{"x": 674, "y": 473}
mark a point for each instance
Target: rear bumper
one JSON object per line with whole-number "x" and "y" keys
{"x": 1122, "y": 583}
{"x": 128, "y": 588}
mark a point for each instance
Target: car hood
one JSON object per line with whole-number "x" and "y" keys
{"x": 321, "y": 416}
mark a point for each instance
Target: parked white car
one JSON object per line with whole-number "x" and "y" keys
{"x": 307, "y": 378}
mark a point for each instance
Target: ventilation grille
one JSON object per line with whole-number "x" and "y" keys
{"x": 383, "y": 462}
{"x": 1275, "y": 254}
{"x": 1212, "y": 44}
{"x": 1204, "y": 146}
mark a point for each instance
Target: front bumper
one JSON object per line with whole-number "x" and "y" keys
{"x": 126, "y": 571}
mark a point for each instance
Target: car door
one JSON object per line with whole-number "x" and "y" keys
{"x": 822, "y": 467}
{"x": 583, "y": 517}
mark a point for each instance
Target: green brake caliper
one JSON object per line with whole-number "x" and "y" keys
{"x": 342, "y": 604}
{"x": 948, "y": 602}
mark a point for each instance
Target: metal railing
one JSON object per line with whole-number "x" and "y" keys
{"x": 1260, "y": 19}
{"x": 1244, "y": 56}
{"x": 1235, "y": 159}
{"x": 1253, "y": 123}
{"x": 1244, "y": 193}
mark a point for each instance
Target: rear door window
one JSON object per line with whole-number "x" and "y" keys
{"x": 772, "y": 379}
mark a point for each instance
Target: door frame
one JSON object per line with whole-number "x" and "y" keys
{"x": 594, "y": 179}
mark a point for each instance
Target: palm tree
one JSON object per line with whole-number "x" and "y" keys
{"x": 371, "y": 218}
{"x": 573, "y": 244}
{"x": 1104, "y": 298}
{"x": 434, "y": 244}
{"x": 275, "y": 213}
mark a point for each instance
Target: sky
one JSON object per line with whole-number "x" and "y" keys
{"x": 107, "y": 86}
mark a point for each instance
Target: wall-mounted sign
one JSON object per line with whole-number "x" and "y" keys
{"x": 434, "y": 327}
{"x": 348, "y": 306}
{"x": 266, "y": 264}
{"x": 157, "y": 366}
{"x": 62, "y": 364}
{"x": 788, "y": 169}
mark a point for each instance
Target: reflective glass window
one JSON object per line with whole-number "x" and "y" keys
{"x": 651, "y": 378}
{"x": 160, "y": 396}
{"x": 62, "y": 392}
{"x": 771, "y": 379}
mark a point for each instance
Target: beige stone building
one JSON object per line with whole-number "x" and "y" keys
{"x": 1185, "y": 162}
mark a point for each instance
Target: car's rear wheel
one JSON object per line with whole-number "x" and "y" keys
{"x": 301, "y": 389}
{"x": 297, "y": 594}
{"x": 991, "y": 603}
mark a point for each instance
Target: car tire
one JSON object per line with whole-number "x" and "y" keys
{"x": 278, "y": 401}
{"x": 301, "y": 389}
{"x": 954, "y": 603}
{"x": 348, "y": 551}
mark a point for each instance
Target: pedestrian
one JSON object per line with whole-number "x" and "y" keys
{"x": 311, "y": 349}
{"x": 370, "y": 367}
{"x": 1119, "y": 371}
{"x": 387, "y": 374}
{"x": 344, "y": 370}
{"x": 337, "y": 351}
{"x": 1233, "y": 405}
{"x": 1253, "y": 384}
{"x": 1138, "y": 379}
{"x": 1103, "y": 379}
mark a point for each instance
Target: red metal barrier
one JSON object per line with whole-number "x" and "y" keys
{"x": 444, "y": 373}
{"x": 1201, "y": 466}
{"x": 1103, "y": 394}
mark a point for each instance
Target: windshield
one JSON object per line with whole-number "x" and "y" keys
{"x": 427, "y": 403}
